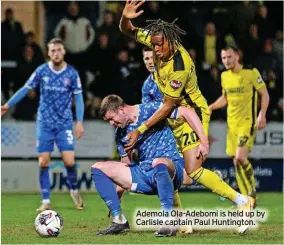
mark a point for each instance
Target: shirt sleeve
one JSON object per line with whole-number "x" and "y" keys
{"x": 223, "y": 90}
{"x": 119, "y": 144}
{"x": 76, "y": 84}
{"x": 140, "y": 37}
{"x": 177, "y": 82}
{"x": 257, "y": 80}
{"x": 34, "y": 80}
{"x": 146, "y": 97}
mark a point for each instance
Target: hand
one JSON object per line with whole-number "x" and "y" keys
{"x": 211, "y": 110}
{"x": 79, "y": 130}
{"x": 203, "y": 150}
{"x": 260, "y": 122}
{"x": 132, "y": 138}
{"x": 4, "y": 109}
{"x": 130, "y": 8}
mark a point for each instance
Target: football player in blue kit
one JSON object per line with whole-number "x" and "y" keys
{"x": 59, "y": 83}
{"x": 160, "y": 168}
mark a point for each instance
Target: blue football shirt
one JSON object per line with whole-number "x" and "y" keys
{"x": 150, "y": 91}
{"x": 56, "y": 93}
{"x": 155, "y": 143}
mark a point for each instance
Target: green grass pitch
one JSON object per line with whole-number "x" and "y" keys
{"x": 18, "y": 214}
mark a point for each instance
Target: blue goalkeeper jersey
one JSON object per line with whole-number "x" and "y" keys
{"x": 155, "y": 143}
{"x": 150, "y": 91}
{"x": 56, "y": 93}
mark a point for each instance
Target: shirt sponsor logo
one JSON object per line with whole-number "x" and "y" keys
{"x": 240, "y": 90}
{"x": 175, "y": 84}
{"x": 55, "y": 89}
{"x": 45, "y": 79}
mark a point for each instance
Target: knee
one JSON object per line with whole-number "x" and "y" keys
{"x": 190, "y": 169}
{"x": 98, "y": 165}
{"x": 69, "y": 164}
{"x": 44, "y": 162}
{"x": 158, "y": 161}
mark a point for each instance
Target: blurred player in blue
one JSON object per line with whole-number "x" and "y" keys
{"x": 59, "y": 83}
{"x": 160, "y": 168}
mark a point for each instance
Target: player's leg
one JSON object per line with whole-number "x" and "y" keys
{"x": 45, "y": 142}
{"x": 65, "y": 142}
{"x": 68, "y": 158}
{"x": 245, "y": 142}
{"x": 105, "y": 175}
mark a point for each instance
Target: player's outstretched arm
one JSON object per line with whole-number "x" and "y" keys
{"x": 20, "y": 94}
{"x": 219, "y": 103}
{"x": 264, "y": 98}
{"x": 129, "y": 12}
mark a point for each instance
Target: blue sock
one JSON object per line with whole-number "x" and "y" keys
{"x": 71, "y": 179}
{"x": 105, "y": 188}
{"x": 44, "y": 182}
{"x": 165, "y": 187}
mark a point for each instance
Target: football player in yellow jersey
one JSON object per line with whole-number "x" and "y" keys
{"x": 240, "y": 88}
{"x": 176, "y": 78}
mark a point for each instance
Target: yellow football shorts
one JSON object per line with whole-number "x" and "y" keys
{"x": 185, "y": 136}
{"x": 239, "y": 136}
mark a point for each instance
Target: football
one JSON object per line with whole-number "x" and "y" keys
{"x": 48, "y": 223}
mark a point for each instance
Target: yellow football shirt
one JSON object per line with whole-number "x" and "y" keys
{"x": 176, "y": 78}
{"x": 241, "y": 93}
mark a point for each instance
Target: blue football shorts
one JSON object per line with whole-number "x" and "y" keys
{"x": 144, "y": 182}
{"x": 47, "y": 135}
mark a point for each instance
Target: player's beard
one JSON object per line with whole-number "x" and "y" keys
{"x": 58, "y": 63}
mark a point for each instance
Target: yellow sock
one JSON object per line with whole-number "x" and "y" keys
{"x": 248, "y": 172}
{"x": 211, "y": 180}
{"x": 241, "y": 183}
{"x": 177, "y": 201}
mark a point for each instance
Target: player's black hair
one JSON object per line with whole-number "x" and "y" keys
{"x": 170, "y": 31}
{"x": 146, "y": 49}
{"x": 110, "y": 103}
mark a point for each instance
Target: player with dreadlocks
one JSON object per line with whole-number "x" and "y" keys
{"x": 176, "y": 78}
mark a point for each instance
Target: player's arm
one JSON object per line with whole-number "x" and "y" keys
{"x": 219, "y": 103}
{"x": 79, "y": 104}
{"x": 260, "y": 86}
{"x": 21, "y": 93}
{"x": 129, "y": 12}
{"x": 172, "y": 96}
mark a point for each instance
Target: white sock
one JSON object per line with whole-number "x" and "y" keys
{"x": 240, "y": 200}
{"x": 119, "y": 219}
{"x": 46, "y": 201}
{"x": 74, "y": 191}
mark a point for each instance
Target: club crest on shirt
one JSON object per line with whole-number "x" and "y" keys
{"x": 66, "y": 81}
{"x": 175, "y": 84}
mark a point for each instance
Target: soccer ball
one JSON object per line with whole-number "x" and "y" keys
{"x": 48, "y": 224}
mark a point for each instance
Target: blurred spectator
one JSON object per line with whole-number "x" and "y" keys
{"x": 196, "y": 60}
{"x": 12, "y": 37}
{"x": 251, "y": 44}
{"x": 267, "y": 61}
{"x": 278, "y": 46}
{"x": 265, "y": 27}
{"x": 11, "y": 49}
{"x": 27, "y": 108}
{"x": 104, "y": 67}
{"x": 38, "y": 54}
{"x": 78, "y": 35}
{"x": 130, "y": 83}
{"x": 242, "y": 16}
{"x": 110, "y": 27}
{"x": 212, "y": 46}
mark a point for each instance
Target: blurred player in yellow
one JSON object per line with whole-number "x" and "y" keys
{"x": 176, "y": 78}
{"x": 241, "y": 87}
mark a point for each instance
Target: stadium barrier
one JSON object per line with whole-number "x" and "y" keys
{"x": 22, "y": 175}
{"x": 18, "y": 141}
